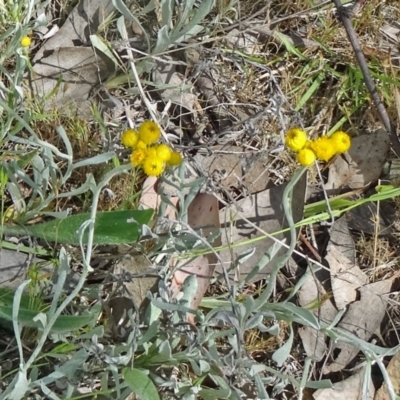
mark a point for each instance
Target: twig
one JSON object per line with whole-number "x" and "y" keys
{"x": 344, "y": 16}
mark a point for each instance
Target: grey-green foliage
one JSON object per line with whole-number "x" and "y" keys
{"x": 179, "y": 21}
{"x": 49, "y": 174}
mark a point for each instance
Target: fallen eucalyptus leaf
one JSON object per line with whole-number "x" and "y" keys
{"x": 362, "y": 319}
{"x": 346, "y": 276}
{"x": 349, "y": 389}
{"x": 265, "y": 210}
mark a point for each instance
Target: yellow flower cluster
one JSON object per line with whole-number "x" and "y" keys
{"x": 322, "y": 148}
{"x": 25, "y": 41}
{"x": 147, "y": 153}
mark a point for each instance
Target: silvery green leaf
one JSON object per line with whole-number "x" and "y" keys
{"x": 189, "y": 290}
{"x": 311, "y": 270}
{"x": 273, "y": 330}
{"x": 152, "y": 313}
{"x": 195, "y": 367}
{"x": 172, "y": 307}
{"x": 64, "y": 260}
{"x": 98, "y": 331}
{"x": 233, "y": 341}
{"x": 253, "y": 322}
{"x": 255, "y": 369}
{"x": 27, "y": 179}
{"x": 126, "y": 13}
{"x": 262, "y": 393}
{"x": 249, "y": 305}
{"x": 99, "y": 44}
{"x": 184, "y": 14}
{"x": 204, "y": 366}
{"x": 196, "y": 184}
{"x": 57, "y": 214}
{"x": 48, "y": 393}
{"x": 165, "y": 349}
{"x": 61, "y": 131}
{"x": 120, "y": 360}
{"x": 213, "y": 352}
{"x": 201, "y": 12}
{"x": 21, "y": 386}
{"x": 223, "y": 392}
{"x": 122, "y": 30}
{"x": 163, "y": 40}
{"x": 115, "y": 171}
{"x": 291, "y": 312}
{"x": 100, "y": 158}
{"x": 148, "y": 8}
{"x": 241, "y": 258}
{"x": 7, "y": 33}
{"x": 151, "y": 332}
{"x": 89, "y": 184}
{"x": 42, "y": 318}
{"x": 265, "y": 259}
{"x": 15, "y": 193}
{"x": 15, "y": 310}
{"x": 192, "y": 33}
{"x": 167, "y": 12}
{"x": 281, "y": 355}
{"x": 20, "y": 91}
{"x": 40, "y": 172}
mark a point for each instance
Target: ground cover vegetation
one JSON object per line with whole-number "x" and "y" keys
{"x": 199, "y": 199}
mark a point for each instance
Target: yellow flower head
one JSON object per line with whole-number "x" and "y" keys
{"x": 306, "y": 157}
{"x": 149, "y": 132}
{"x": 25, "y": 41}
{"x": 295, "y": 139}
{"x": 151, "y": 152}
{"x": 138, "y": 156}
{"x": 163, "y": 152}
{"x": 175, "y": 159}
{"x": 141, "y": 145}
{"x": 342, "y": 141}
{"x": 153, "y": 166}
{"x": 324, "y": 148}
{"x": 129, "y": 138}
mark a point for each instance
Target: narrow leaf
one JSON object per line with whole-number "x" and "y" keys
{"x": 64, "y": 323}
{"x": 140, "y": 384}
{"x": 113, "y": 227}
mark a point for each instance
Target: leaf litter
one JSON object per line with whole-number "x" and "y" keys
{"x": 67, "y": 68}
{"x": 345, "y": 286}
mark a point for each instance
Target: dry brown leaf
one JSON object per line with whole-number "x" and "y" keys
{"x": 348, "y": 389}
{"x": 314, "y": 292}
{"x": 79, "y": 68}
{"x": 173, "y": 86}
{"x": 265, "y": 210}
{"x": 234, "y": 169}
{"x": 66, "y": 55}
{"x": 83, "y": 21}
{"x": 136, "y": 264}
{"x": 362, "y": 319}
{"x": 202, "y": 214}
{"x": 393, "y": 370}
{"x": 346, "y": 276}
{"x": 362, "y": 164}
{"x": 365, "y": 217}
{"x": 241, "y": 40}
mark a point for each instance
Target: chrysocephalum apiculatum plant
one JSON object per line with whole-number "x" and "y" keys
{"x": 147, "y": 153}
{"x": 322, "y": 148}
